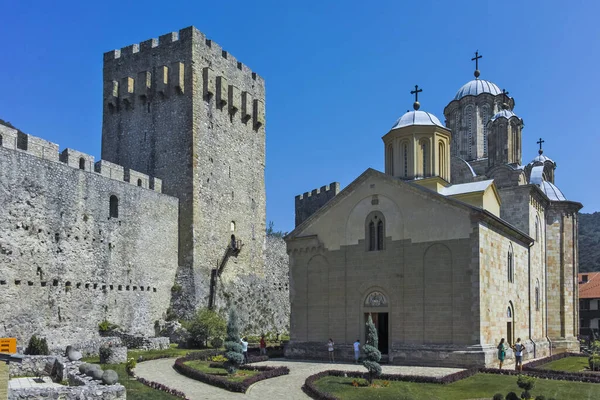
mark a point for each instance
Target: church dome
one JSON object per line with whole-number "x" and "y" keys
{"x": 504, "y": 114}
{"x": 417, "y": 118}
{"x": 541, "y": 159}
{"x": 476, "y": 87}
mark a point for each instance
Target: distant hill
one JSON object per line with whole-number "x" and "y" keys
{"x": 589, "y": 242}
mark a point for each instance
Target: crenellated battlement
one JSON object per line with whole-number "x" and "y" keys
{"x": 309, "y": 202}
{"x": 164, "y": 42}
{"x": 15, "y": 140}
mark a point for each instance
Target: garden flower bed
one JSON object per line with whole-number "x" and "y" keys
{"x": 199, "y": 367}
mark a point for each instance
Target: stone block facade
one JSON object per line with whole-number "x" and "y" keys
{"x": 67, "y": 262}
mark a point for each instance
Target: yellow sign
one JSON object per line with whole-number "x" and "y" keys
{"x": 8, "y": 345}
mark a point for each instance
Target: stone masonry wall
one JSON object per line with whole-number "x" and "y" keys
{"x": 65, "y": 264}
{"x": 183, "y": 109}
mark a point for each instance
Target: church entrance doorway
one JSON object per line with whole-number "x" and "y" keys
{"x": 380, "y": 320}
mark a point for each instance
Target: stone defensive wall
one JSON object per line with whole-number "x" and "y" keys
{"x": 80, "y": 242}
{"x": 14, "y": 140}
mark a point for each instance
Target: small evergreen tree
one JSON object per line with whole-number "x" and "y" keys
{"x": 37, "y": 347}
{"x": 233, "y": 348}
{"x": 526, "y": 383}
{"x": 370, "y": 349}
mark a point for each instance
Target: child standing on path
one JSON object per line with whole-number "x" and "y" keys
{"x": 330, "y": 350}
{"x": 501, "y": 352}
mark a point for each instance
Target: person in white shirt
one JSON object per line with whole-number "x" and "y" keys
{"x": 244, "y": 349}
{"x": 356, "y": 351}
{"x": 519, "y": 348}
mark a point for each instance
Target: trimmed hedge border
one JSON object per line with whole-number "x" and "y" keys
{"x": 164, "y": 388}
{"x": 241, "y": 387}
{"x": 311, "y": 390}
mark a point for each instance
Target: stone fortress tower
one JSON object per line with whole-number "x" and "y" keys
{"x": 188, "y": 112}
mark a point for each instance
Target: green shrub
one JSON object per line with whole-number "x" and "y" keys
{"x": 170, "y": 315}
{"x": 207, "y": 324}
{"x": 498, "y": 396}
{"x": 526, "y": 383}
{"x": 106, "y": 326}
{"x": 594, "y": 362}
{"x": 220, "y": 358}
{"x": 216, "y": 342}
{"x": 37, "y": 347}
{"x": 176, "y": 288}
{"x": 512, "y": 396}
{"x": 131, "y": 364}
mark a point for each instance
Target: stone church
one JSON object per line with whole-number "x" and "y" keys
{"x": 459, "y": 243}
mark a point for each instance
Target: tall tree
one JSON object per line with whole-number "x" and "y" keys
{"x": 371, "y": 363}
{"x": 233, "y": 348}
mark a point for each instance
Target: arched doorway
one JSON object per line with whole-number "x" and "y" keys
{"x": 376, "y": 304}
{"x": 510, "y": 324}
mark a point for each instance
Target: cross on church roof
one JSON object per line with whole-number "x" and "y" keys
{"x": 476, "y": 59}
{"x": 540, "y": 151}
{"x": 416, "y": 104}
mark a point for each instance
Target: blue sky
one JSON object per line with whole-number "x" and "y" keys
{"x": 338, "y": 74}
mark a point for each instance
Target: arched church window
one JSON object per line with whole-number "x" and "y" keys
{"x": 455, "y": 137}
{"x": 390, "y": 160}
{"x": 114, "y": 206}
{"x": 468, "y": 138}
{"x": 537, "y": 228}
{"x": 537, "y": 295}
{"x": 139, "y": 182}
{"x": 380, "y": 234}
{"x": 508, "y": 312}
{"x": 375, "y": 231}
{"x": 510, "y": 264}
{"x": 441, "y": 158}
{"x": 405, "y": 156}
{"x": 485, "y": 115}
{"x": 81, "y": 163}
{"x": 424, "y": 159}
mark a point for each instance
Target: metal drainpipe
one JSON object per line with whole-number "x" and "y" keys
{"x": 546, "y": 281}
{"x": 529, "y": 290}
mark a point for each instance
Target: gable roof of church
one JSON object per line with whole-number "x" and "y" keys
{"x": 480, "y": 213}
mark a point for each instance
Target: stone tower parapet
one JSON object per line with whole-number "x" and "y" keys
{"x": 309, "y": 202}
{"x": 183, "y": 109}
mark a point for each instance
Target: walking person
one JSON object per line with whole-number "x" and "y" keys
{"x": 244, "y": 343}
{"x": 263, "y": 346}
{"x": 501, "y": 352}
{"x": 330, "y": 350}
{"x": 519, "y": 349}
{"x": 356, "y": 351}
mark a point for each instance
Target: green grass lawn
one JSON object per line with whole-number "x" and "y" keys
{"x": 475, "y": 387}
{"x": 568, "y": 364}
{"x": 203, "y": 366}
{"x": 136, "y": 390}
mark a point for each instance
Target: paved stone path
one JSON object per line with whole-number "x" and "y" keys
{"x": 43, "y": 382}
{"x": 286, "y": 387}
